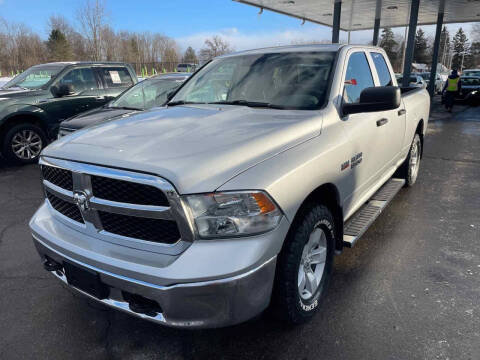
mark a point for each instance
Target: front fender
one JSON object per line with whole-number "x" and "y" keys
{"x": 23, "y": 110}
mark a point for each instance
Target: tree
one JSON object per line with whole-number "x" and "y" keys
{"x": 93, "y": 18}
{"x": 58, "y": 46}
{"x": 420, "y": 53}
{"x": 445, "y": 46}
{"x": 190, "y": 56}
{"x": 462, "y": 57}
{"x": 215, "y": 46}
{"x": 389, "y": 44}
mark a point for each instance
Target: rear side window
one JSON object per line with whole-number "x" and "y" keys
{"x": 382, "y": 69}
{"x": 116, "y": 77}
{"x": 357, "y": 78}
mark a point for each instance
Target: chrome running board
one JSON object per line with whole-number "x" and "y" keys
{"x": 356, "y": 226}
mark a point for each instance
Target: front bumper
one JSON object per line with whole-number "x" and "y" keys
{"x": 206, "y": 304}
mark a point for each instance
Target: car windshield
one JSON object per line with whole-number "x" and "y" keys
{"x": 296, "y": 80}
{"x": 412, "y": 80}
{"x": 472, "y": 72}
{"x": 425, "y": 76}
{"x": 34, "y": 78}
{"x": 473, "y": 81}
{"x": 146, "y": 94}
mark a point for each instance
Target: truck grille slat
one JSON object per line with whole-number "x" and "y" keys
{"x": 127, "y": 192}
{"x": 65, "y": 208}
{"x": 155, "y": 230}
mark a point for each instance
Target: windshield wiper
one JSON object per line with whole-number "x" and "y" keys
{"x": 183, "y": 102}
{"x": 125, "y": 108}
{"x": 257, "y": 104}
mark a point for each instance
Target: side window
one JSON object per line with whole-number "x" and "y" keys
{"x": 382, "y": 69}
{"x": 82, "y": 80}
{"x": 357, "y": 78}
{"x": 116, "y": 77}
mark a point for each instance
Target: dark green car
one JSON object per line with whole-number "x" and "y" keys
{"x": 33, "y": 104}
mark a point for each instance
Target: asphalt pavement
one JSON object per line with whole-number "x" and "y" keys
{"x": 410, "y": 289}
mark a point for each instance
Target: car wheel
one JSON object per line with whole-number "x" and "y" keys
{"x": 411, "y": 166}
{"x": 23, "y": 143}
{"x": 304, "y": 266}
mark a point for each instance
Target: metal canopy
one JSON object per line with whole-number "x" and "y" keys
{"x": 360, "y": 14}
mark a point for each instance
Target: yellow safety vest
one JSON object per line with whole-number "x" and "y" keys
{"x": 452, "y": 84}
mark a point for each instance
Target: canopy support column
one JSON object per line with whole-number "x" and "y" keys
{"x": 412, "y": 30}
{"x": 337, "y": 9}
{"x": 376, "y": 26}
{"x": 436, "y": 46}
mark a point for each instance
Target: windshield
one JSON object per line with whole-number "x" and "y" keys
{"x": 425, "y": 76}
{"x": 145, "y": 95}
{"x": 280, "y": 80}
{"x": 472, "y": 73}
{"x": 34, "y": 78}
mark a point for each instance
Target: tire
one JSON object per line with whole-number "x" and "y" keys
{"x": 289, "y": 302}
{"x": 411, "y": 166}
{"x": 27, "y": 136}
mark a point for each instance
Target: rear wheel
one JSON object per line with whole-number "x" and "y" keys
{"x": 23, "y": 143}
{"x": 305, "y": 266}
{"x": 409, "y": 169}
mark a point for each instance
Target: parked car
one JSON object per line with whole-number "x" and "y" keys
{"x": 471, "y": 72}
{"x": 185, "y": 67}
{"x": 33, "y": 104}
{"x": 469, "y": 92}
{"x": 238, "y": 193}
{"x": 439, "y": 81}
{"x": 143, "y": 96}
{"x": 415, "y": 81}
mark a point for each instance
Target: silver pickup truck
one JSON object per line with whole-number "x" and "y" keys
{"x": 235, "y": 196}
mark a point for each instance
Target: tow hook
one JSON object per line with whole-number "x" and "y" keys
{"x": 51, "y": 265}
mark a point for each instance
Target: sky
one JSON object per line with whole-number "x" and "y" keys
{"x": 190, "y": 22}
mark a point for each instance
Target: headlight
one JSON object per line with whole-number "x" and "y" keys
{"x": 231, "y": 214}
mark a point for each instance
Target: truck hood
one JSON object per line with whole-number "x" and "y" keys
{"x": 94, "y": 116}
{"x": 19, "y": 93}
{"x": 197, "y": 148}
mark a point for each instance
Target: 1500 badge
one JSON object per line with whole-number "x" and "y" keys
{"x": 353, "y": 162}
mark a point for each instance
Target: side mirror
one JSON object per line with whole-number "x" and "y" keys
{"x": 62, "y": 90}
{"x": 379, "y": 98}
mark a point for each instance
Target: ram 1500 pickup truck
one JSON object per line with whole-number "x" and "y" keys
{"x": 236, "y": 195}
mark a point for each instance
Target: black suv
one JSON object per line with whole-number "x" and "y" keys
{"x": 33, "y": 104}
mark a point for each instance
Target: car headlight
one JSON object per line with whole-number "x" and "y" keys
{"x": 230, "y": 214}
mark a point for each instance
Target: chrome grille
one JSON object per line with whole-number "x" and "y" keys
{"x": 60, "y": 177}
{"x": 118, "y": 206}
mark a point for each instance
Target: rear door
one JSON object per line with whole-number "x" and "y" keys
{"x": 115, "y": 80}
{"x": 85, "y": 85}
{"x": 390, "y": 124}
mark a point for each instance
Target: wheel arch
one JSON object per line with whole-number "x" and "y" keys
{"x": 21, "y": 118}
{"x": 328, "y": 195}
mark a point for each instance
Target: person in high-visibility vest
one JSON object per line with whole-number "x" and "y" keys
{"x": 452, "y": 87}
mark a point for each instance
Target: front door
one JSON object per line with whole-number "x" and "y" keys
{"x": 85, "y": 96}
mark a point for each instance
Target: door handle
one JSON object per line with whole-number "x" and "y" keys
{"x": 402, "y": 112}
{"x": 382, "y": 121}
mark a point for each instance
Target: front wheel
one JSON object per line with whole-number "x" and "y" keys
{"x": 23, "y": 143}
{"x": 304, "y": 266}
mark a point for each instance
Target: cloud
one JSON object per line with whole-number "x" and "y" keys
{"x": 243, "y": 41}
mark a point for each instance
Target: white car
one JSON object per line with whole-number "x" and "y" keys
{"x": 439, "y": 81}
{"x": 415, "y": 81}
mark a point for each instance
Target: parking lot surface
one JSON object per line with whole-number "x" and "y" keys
{"x": 410, "y": 289}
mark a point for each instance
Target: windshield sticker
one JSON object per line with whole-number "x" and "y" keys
{"x": 115, "y": 77}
